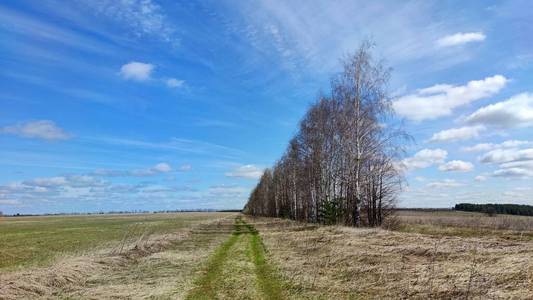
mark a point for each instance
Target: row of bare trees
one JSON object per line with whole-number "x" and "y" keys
{"x": 340, "y": 166}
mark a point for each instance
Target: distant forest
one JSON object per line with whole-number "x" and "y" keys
{"x": 509, "y": 209}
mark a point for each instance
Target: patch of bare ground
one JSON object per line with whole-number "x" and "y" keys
{"x": 346, "y": 263}
{"x": 156, "y": 267}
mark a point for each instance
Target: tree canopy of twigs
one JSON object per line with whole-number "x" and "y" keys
{"x": 341, "y": 166}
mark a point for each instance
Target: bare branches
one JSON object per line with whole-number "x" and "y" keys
{"x": 339, "y": 167}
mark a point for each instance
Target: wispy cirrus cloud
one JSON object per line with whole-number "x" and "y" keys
{"x": 143, "y": 18}
{"x": 301, "y": 33}
{"x": 197, "y": 147}
{"x": 30, "y": 27}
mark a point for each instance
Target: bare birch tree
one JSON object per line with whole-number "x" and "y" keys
{"x": 339, "y": 167}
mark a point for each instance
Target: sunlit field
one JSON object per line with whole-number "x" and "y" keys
{"x": 266, "y": 149}
{"x": 442, "y": 254}
{"x": 27, "y": 241}
{"x": 443, "y": 222}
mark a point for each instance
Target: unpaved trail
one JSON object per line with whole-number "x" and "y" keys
{"x": 238, "y": 269}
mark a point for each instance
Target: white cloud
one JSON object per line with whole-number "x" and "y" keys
{"x": 479, "y": 147}
{"x": 507, "y": 155}
{"x": 457, "y": 166}
{"x": 174, "y": 83}
{"x": 137, "y": 71}
{"x": 425, "y": 158}
{"x": 491, "y": 146}
{"x": 513, "y": 172}
{"x": 43, "y": 129}
{"x": 457, "y": 134}
{"x": 523, "y": 164}
{"x": 440, "y": 100}
{"x": 480, "y": 178}
{"x": 460, "y": 38}
{"x": 512, "y": 162}
{"x": 83, "y": 188}
{"x": 246, "y": 171}
{"x": 514, "y": 112}
{"x": 446, "y": 183}
{"x": 514, "y": 143}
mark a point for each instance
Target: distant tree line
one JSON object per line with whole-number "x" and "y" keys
{"x": 125, "y": 212}
{"x": 509, "y": 209}
{"x": 340, "y": 167}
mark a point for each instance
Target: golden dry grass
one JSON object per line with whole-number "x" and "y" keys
{"x": 348, "y": 263}
{"x": 306, "y": 261}
{"x": 467, "y": 219}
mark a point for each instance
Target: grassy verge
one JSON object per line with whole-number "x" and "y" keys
{"x": 266, "y": 276}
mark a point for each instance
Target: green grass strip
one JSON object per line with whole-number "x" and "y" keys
{"x": 266, "y": 276}
{"x": 206, "y": 286}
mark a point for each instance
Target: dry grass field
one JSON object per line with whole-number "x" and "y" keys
{"x": 347, "y": 263}
{"x": 466, "y": 224}
{"x": 425, "y": 255}
{"x": 121, "y": 256}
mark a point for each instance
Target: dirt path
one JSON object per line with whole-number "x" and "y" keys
{"x": 238, "y": 269}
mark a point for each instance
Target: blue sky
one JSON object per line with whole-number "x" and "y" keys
{"x": 121, "y": 105}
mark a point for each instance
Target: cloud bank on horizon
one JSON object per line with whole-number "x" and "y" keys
{"x": 155, "y": 105}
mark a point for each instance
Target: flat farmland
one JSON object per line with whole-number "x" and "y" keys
{"x": 26, "y": 241}
{"x": 423, "y": 255}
